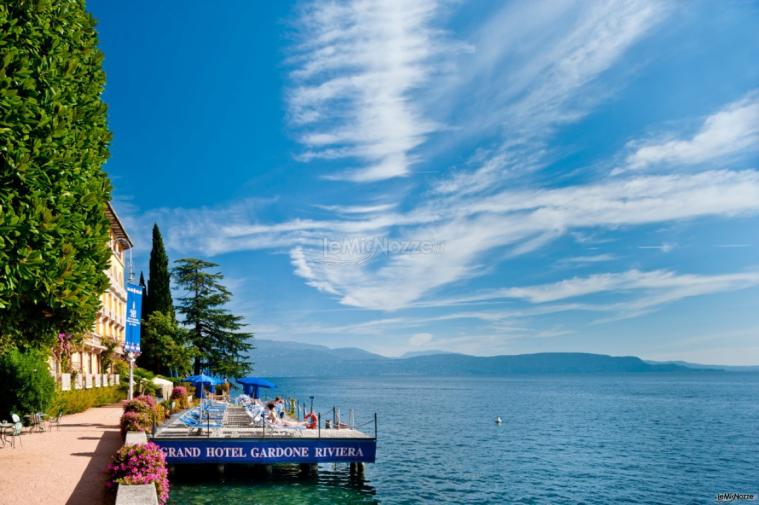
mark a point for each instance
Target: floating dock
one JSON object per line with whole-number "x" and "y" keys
{"x": 237, "y": 441}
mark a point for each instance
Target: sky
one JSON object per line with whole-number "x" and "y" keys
{"x": 477, "y": 177}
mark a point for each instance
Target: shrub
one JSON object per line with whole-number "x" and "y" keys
{"x": 27, "y": 385}
{"x": 147, "y": 400}
{"x": 71, "y": 402}
{"x": 140, "y": 464}
{"x": 138, "y": 406}
{"x": 179, "y": 394}
{"x": 135, "y": 421}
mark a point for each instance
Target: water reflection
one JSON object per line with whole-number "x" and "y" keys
{"x": 253, "y": 484}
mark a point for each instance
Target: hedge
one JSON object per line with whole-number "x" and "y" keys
{"x": 71, "y": 402}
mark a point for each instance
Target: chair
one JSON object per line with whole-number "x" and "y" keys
{"x": 15, "y": 431}
{"x": 55, "y": 420}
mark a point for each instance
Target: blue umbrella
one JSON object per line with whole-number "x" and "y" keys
{"x": 201, "y": 380}
{"x": 251, "y": 384}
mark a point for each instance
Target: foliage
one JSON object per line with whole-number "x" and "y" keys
{"x": 53, "y": 143}
{"x": 142, "y": 381}
{"x": 26, "y": 385}
{"x": 135, "y": 421}
{"x": 146, "y": 406}
{"x": 62, "y": 351}
{"x": 138, "y": 406}
{"x": 215, "y": 332}
{"x": 159, "y": 282}
{"x": 180, "y": 396}
{"x": 140, "y": 464}
{"x": 71, "y": 402}
{"x": 109, "y": 355}
{"x": 165, "y": 345}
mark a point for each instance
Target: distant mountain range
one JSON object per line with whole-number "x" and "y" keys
{"x": 293, "y": 359}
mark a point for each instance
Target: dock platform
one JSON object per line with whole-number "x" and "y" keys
{"x": 237, "y": 441}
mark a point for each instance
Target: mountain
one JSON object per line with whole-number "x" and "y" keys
{"x": 415, "y": 354}
{"x": 725, "y": 368}
{"x": 292, "y": 359}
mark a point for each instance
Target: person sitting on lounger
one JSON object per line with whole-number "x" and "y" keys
{"x": 273, "y": 417}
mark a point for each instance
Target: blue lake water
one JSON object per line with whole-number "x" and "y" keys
{"x": 633, "y": 438}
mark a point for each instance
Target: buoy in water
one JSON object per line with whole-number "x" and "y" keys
{"x": 498, "y": 420}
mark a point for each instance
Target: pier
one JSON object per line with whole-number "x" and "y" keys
{"x": 237, "y": 440}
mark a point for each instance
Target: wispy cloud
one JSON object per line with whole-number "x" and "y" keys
{"x": 672, "y": 285}
{"x": 732, "y": 130}
{"x": 514, "y": 220}
{"x": 357, "y": 65}
{"x": 665, "y": 247}
{"x": 546, "y": 57}
{"x": 595, "y": 258}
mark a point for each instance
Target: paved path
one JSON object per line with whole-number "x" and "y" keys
{"x": 65, "y": 467}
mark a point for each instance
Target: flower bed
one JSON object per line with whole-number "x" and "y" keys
{"x": 179, "y": 394}
{"x": 140, "y": 464}
{"x": 139, "y": 415}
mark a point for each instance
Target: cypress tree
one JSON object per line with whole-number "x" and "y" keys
{"x": 53, "y": 192}
{"x": 221, "y": 347}
{"x": 159, "y": 284}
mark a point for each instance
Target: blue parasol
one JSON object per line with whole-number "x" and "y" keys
{"x": 201, "y": 380}
{"x": 250, "y": 385}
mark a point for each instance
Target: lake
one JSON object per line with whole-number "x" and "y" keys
{"x": 632, "y": 438}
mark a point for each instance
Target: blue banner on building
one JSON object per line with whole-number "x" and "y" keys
{"x": 133, "y": 315}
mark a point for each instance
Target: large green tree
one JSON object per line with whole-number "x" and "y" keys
{"x": 166, "y": 347}
{"x": 53, "y": 191}
{"x": 215, "y": 332}
{"x": 159, "y": 282}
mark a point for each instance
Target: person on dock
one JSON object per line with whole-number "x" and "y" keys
{"x": 274, "y": 418}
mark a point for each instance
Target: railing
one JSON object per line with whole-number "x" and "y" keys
{"x": 87, "y": 381}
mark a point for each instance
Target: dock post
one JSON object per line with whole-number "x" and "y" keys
{"x": 220, "y": 469}
{"x": 353, "y": 468}
{"x": 360, "y": 467}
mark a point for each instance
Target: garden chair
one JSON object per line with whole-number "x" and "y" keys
{"x": 15, "y": 431}
{"x": 55, "y": 420}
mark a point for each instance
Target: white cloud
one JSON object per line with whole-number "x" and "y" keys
{"x": 514, "y": 221}
{"x": 665, "y": 247}
{"x": 546, "y": 57}
{"x": 675, "y": 286}
{"x": 595, "y": 258}
{"x": 730, "y": 131}
{"x": 357, "y": 65}
{"x": 420, "y": 339}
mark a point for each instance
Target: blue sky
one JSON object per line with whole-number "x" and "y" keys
{"x": 479, "y": 177}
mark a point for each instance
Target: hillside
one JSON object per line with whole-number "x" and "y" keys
{"x": 292, "y": 359}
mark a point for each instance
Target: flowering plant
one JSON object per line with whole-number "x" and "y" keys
{"x": 140, "y": 464}
{"x": 135, "y": 421}
{"x": 179, "y": 393}
{"x": 146, "y": 399}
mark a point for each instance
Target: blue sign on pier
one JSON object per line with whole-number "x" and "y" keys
{"x": 267, "y": 451}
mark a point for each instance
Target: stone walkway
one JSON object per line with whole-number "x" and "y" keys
{"x": 65, "y": 467}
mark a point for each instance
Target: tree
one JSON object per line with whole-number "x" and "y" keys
{"x": 159, "y": 282}
{"x": 221, "y": 347}
{"x": 27, "y": 384}
{"x": 166, "y": 347}
{"x": 53, "y": 191}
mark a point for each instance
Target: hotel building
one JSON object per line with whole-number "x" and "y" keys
{"x": 110, "y": 324}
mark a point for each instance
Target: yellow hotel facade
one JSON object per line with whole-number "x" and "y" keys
{"x": 110, "y": 323}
